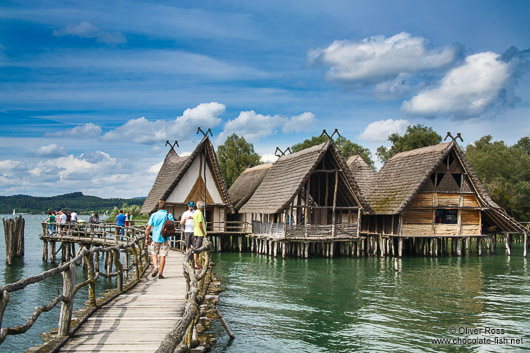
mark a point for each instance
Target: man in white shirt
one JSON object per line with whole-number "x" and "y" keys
{"x": 62, "y": 221}
{"x": 187, "y": 219}
{"x": 73, "y": 217}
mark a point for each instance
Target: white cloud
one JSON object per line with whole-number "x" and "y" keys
{"x": 378, "y": 59}
{"x": 381, "y": 129}
{"x": 156, "y": 168}
{"x": 86, "y": 29}
{"x": 143, "y": 131}
{"x": 88, "y": 130}
{"x": 51, "y": 150}
{"x": 8, "y": 166}
{"x": 299, "y": 123}
{"x": 396, "y": 88}
{"x": 268, "y": 158}
{"x": 478, "y": 85}
{"x": 252, "y": 126}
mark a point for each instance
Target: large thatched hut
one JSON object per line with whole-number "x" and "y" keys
{"x": 428, "y": 195}
{"x": 192, "y": 178}
{"x": 308, "y": 196}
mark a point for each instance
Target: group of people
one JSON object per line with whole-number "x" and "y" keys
{"x": 194, "y": 233}
{"x": 59, "y": 220}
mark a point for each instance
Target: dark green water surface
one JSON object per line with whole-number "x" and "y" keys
{"x": 364, "y": 304}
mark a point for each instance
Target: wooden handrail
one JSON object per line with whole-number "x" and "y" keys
{"x": 185, "y": 333}
{"x": 133, "y": 243}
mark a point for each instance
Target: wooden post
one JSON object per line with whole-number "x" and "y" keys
{"x": 14, "y": 238}
{"x": 45, "y": 251}
{"x": 508, "y": 244}
{"x": 479, "y": 245}
{"x": 333, "y": 216}
{"x": 52, "y": 251}
{"x": 91, "y": 275}
{"x": 119, "y": 269}
{"x": 67, "y": 305}
{"x": 525, "y": 243}
{"x": 459, "y": 247}
{"x": 400, "y": 246}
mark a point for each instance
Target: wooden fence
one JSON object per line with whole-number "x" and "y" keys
{"x": 132, "y": 244}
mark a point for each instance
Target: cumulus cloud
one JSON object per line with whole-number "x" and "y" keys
{"x": 483, "y": 83}
{"x": 88, "y": 130}
{"x": 86, "y": 29}
{"x": 154, "y": 169}
{"x": 8, "y": 166}
{"x": 378, "y": 59}
{"x": 254, "y": 126}
{"x": 83, "y": 167}
{"x": 51, "y": 150}
{"x": 268, "y": 158}
{"x": 300, "y": 123}
{"x": 381, "y": 129}
{"x": 144, "y": 131}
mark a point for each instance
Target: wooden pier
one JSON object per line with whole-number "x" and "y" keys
{"x": 139, "y": 320}
{"x": 142, "y": 313}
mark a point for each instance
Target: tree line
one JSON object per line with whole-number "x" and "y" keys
{"x": 503, "y": 170}
{"x": 72, "y": 201}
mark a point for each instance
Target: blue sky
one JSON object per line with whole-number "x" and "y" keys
{"x": 91, "y": 90}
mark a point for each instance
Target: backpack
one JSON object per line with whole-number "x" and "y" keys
{"x": 168, "y": 230}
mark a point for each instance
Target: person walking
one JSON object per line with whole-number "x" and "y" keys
{"x": 199, "y": 230}
{"x": 187, "y": 220}
{"x": 73, "y": 217}
{"x": 158, "y": 246}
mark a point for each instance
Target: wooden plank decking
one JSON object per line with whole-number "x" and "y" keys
{"x": 136, "y": 321}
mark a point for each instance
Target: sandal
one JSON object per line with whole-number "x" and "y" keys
{"x": 161, "y": 277}
{"x": 197, "y": 267}
{"x": 155, "y": 272}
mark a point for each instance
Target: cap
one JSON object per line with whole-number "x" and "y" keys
{"x": 191, "y": 204}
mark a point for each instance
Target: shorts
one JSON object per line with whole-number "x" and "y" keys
{"x": 197, "y": 242}
{"x": 187, "y": 239}
{"x": 161, "y": 249}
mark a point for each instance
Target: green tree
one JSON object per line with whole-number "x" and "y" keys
{"x": 505, "y": 172}
{"x": 234, "y": 156}
{"x": 417, "y": 136}
{"x": 346, "y": 147}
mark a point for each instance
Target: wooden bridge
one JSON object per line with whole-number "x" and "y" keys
{"x": 141, "y": 314}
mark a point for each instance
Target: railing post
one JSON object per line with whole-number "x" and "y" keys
{"x": 119, "y": 269}
{"x": 68, "y": 301}
{"x": 91, "y": 276}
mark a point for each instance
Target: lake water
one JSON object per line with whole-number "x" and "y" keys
{"x": 364, "y": 304}
{"x": 330, "y": 305}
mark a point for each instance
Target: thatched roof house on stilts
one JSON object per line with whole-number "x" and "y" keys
{"x": 307, "y": 202}
{"x": 425, "y": 197}
{"x": 192, "y": 178}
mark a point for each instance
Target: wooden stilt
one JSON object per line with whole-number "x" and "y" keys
{"x": 508, "y": 244}
{"x": 45, "y": 251}
{"x": 479, "y": 246}
{"x": 525, "y": 243}
{"x": 52, "y": 251}
{"x": 459, "y": 247}
{"x": 400, "y": 247}
{"x": 306, "y": 252}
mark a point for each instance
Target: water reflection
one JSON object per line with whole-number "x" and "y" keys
{"x": 347, "y": 304}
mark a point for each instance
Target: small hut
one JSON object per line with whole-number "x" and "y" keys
{"x": 245, "y": 186}
{"x": 429, "y": 195}
{"x": 361, "y": 172}
{"x": 192, "y": 178}
{"x": 308, "y": 196}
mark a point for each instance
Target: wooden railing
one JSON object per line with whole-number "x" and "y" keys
{"x": 184, "y": 335}
{"x": 132, "y": 244}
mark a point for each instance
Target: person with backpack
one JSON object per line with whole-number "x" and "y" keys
{"x": 158, "y": 246}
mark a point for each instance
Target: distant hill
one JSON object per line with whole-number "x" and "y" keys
{"x": 73, "y": 201}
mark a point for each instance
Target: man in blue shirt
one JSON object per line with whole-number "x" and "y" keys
{"x": 120, "y": 221}
{"x": 158, "y": 246}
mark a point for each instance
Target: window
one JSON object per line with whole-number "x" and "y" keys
{"x": 446, "y": 217}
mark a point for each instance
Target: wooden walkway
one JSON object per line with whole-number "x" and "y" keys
{"x": 136, "y": 321}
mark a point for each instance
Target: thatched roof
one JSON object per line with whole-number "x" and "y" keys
{"x": 361, "y": 171}
{"x": 403, "y": 175}
{"x": 174, "y": 168}
{"x": 288, "y": 174}
{"x": 245, "y": 185}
